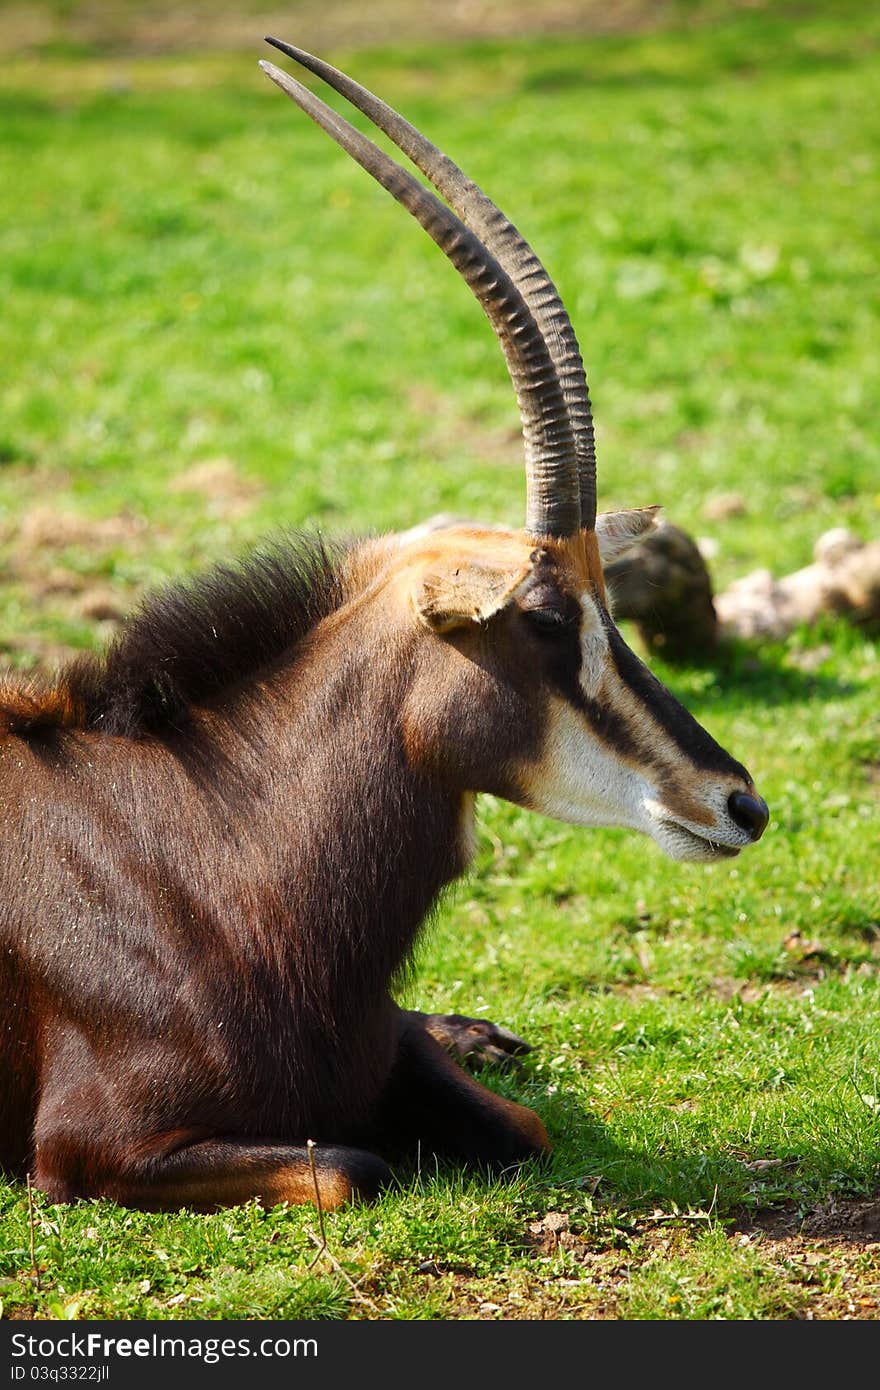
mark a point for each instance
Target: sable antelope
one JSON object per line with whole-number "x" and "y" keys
{"x": 219, "y": 840}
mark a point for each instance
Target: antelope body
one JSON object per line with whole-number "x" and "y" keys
{"x": 220, "y": 839}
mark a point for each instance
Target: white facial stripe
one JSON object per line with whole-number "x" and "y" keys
{"x": 597, "y": 671}
{"x": 583, "y": 781}
{"x": 578, "y": 780}
{"x": 594, "y": 648}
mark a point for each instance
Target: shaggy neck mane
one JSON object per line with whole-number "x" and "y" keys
{"x": 189, "y": 644}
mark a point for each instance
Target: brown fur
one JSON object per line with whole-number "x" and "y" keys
{"x": 27, "y": 709}
{"x": 220, "y": 839}
{"x": 210, "y": 880}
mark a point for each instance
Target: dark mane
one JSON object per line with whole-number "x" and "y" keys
{"x": 188, "y": 643}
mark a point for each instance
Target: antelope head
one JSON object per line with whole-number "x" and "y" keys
{"x": 524, "y": 686}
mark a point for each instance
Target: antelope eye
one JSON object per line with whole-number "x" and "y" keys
{"x": 549, "y": 620}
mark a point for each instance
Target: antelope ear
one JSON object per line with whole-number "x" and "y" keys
{"x": 456, "y": 593}
{"x": 617, "y": 531}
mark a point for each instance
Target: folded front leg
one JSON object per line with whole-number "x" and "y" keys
{"x": 430, "y": 1101}
{"x": 218, "y": 1173}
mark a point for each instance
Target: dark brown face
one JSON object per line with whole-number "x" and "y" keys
{"x": 536, "y": 671}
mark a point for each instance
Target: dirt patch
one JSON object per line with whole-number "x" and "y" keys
{"x": 872, "y": 773}
{"x": 100, "y": 603}
{"x": 449, "y": 431}
{"x": 228, "y": 496}
{"x": 833, "y": 1252}
{"x": 44, "y": 528}
{"x": 797, "y": 979}
{"x": 158, "y": 26}
{"x": 750, "y": 991}
{"x": 543, "y": 1294}
{"x": 639, "y": 990}
{"x": 829, "y": 1277}
{"x": 62, "y": 565}
{"x": 835, "y": 1221}
{"x": 34, "y": 655}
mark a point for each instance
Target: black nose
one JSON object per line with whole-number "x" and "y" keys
{"x": 749, "y": 812}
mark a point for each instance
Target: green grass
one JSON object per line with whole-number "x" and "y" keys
{"x": 190, "y": 273}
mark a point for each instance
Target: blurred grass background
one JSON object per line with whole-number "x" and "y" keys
{"x": 213, "y": 323}
{"x": 190, "y": 274}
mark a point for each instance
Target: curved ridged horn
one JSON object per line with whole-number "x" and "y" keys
{"x": 502, "y": 240}
{"x": 552, "y": 495}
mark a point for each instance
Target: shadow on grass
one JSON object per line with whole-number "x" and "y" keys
{"x": 590, "y": 1169}
{"x": 748, "y": 674}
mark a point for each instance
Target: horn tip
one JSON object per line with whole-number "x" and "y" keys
{"x": 289, "y": 49}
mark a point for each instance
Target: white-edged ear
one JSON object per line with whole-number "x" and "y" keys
{"x": 617, "y": 531}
